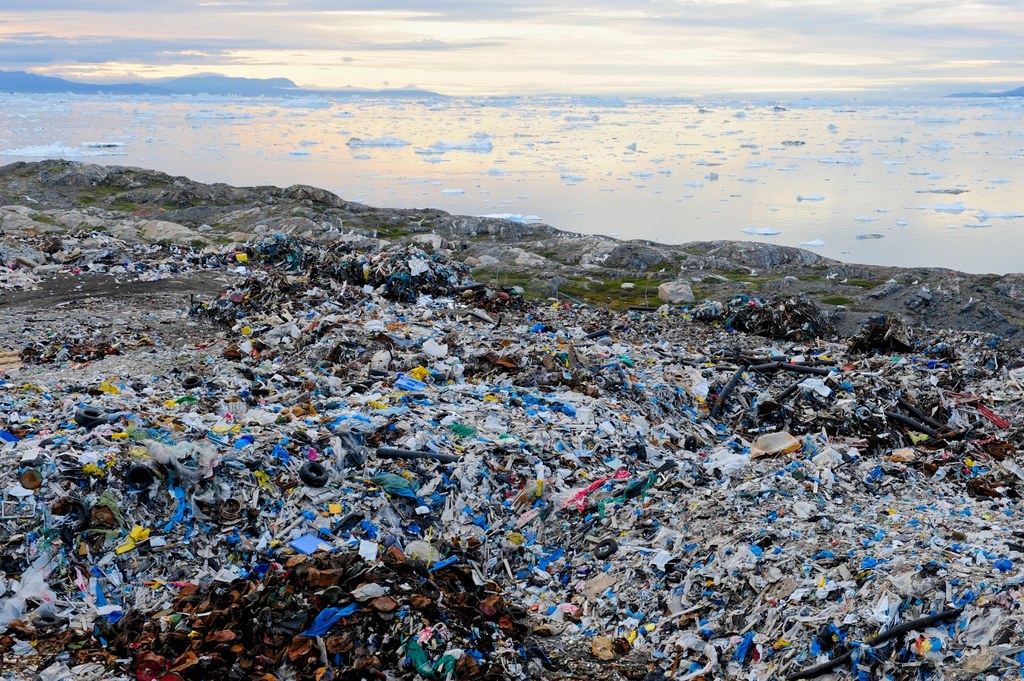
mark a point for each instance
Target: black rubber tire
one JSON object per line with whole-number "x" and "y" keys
{"x": 606, "y": 549}
{"x": 190, "y": 382}
{"x": 46, "y": 621}
{"x": 90, "y": 417}
{"x": 139, "y": 477}
{"x": 690, "y": 444}
{"x": 313, "y": 474}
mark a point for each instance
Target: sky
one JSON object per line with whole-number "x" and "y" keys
{"x": 516, "y": 47}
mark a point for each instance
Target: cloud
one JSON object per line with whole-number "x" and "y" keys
{"x": 40, "y": 49}
{"x": 532, "y": 43}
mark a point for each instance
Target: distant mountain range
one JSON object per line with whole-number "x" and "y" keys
{"x": 1019, "y": 92}
{"x": 24, "y": 82}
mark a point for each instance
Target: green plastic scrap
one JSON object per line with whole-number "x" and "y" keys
{"x": 461, "y": 429}
{"x": 394, "y": 484}
{"x": 442, "y": 669}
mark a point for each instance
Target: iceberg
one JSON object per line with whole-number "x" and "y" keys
{"x": 307, "y": 103}
{"x": 810, "y": 197}
{"x": 211, "y": 115}
{"x": 514, "y": 217}
{"x": 379, "y": 142}
{"x": 62, "y": 150}
{"x": 841, "y": 160}
{"x": 478, "y": 144}
{"x": 813, "y": 243}
{"x": 762, "y": 231}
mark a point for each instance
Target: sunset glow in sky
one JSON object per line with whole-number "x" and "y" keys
{"x": 462, "y": 47}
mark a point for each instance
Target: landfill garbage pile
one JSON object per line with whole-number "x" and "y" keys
{"x": 796, "y": 318}
{"x": 22, "y": 264}
{"x": 289, "y": 267}
{"x": 440, "y": 480}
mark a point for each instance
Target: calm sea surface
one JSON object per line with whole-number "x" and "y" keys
{"x": 936, "y": 182}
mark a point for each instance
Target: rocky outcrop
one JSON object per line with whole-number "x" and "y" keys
{"x": 759, "y": 255}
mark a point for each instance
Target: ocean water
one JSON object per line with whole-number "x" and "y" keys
{"x": 936, "y": 182}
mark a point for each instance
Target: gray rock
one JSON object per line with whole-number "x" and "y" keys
{"x": 435, "y": 241}
{"x": 676, "y": 292}
{"x": 161, "y": 230}
{"x": 757, "y": 254}
{"x": 633, "y": 256}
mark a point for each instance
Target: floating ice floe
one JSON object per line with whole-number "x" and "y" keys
{"x": 514, "y": 217}
{"x": 984, "y": 215}
{"x": 118, "y": 145}
{"x": 866, "y": 237}
{"x": 307, "y": 103}
{"x": 813, "y": 243}
{"x": 1000, "y": 180}
{"x": 299, "y": 152}
{"x": 216, "y": 115}
{"x": 478, "y": 142}
{"x": 841, "y": 160}
{"x": 865, "y": 218}
{"x": 61, "y": 150}
{"x": 378, "y": 142}
{"x": 977, "y": 225}
{"x": 954, "y": 208}
{"x": 761, "y": 231}
{"x": 453, "y": 191}
{"x": 810, "y": 197}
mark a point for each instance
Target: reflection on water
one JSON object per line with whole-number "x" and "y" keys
{"x": 935, "y": 182}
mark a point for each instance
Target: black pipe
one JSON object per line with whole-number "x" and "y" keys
{"x": 922, "y": 622}
{"x": 642, "y": 308}
{"x": 920, "y": 415}
{"x": 393, "y": 453}
{"x": 907, "y": 421}
{"x": 597, "y": 334}
{"x": 724, "y": 395}
{"x": 804, "y": 369}
{"x": 789, "y": 391}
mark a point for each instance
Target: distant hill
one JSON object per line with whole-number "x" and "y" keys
{"x": 1019, "y": 92}
{"x": 21, "y": 81}
{"x": 213, "y": 84}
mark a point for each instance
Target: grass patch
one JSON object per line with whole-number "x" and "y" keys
{"x": 603, "y": 292}
{"x": 863, "y": 283}
{"x": 837, "y": 300}
{"x": 45, "y": 219}
{"x": 106, "y": 190}
{"x": 125, "y": 207}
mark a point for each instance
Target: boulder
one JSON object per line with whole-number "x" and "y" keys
{"x": 633, "y": 256}
{"x": 676, "y": 292}
{"x": 162, "y": 230}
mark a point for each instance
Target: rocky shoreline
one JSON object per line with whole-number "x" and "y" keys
{"x": 137, "y": 205}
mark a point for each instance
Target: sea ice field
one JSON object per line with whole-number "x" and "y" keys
{"x": 932, "y": 182}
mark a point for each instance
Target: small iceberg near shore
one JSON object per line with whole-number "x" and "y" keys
{"x": 379, "y": 142}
